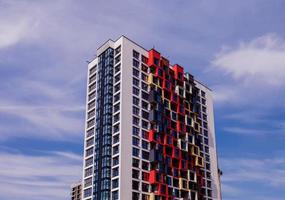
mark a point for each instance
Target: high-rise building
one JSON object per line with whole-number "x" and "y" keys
{"x": 76, "y": 191}
{"x": 149, "y": 129}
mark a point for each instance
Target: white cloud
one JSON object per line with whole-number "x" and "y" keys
{"x": 254, "y": 170}
{"x": 45, "y": 177}
{"x": 238, "y": 173}
{"x": 262, "y": 59}
{"x": 54, "y": 113}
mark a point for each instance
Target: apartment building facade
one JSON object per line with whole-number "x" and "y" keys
{"x": 76, "y": 191}
{"x": 149, "y": 131}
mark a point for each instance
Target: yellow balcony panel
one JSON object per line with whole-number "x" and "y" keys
{"x": 183, "y": 184}
{"x": 151, "y": 196}
{"x": 199, "y": 161}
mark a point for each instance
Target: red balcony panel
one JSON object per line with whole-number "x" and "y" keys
{"x": 152, "y": 176}
{"x": 178, "y": 72}
{"x": 181, "y": 128}
{"x": 153, "y": 58}
{"x": 153, "y": 136}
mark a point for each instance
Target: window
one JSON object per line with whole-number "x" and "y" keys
{"x": 92, "y": 70}
{"x": 136, "y": 82}
{"x": 136, "y": 185}
{"x": 87, "y": 182}
{"x": 135, "y": 196}
{"x": 115, "y": 183}
{"x": 145, "y": 155}
{"x": 117, "y": 78}
{"x": 144, "y": 68}
{"x": 91, "y": 96}
{"x": 144, "y": 134}
{"x": 144, "y": 95}
{"x": 136, "y": 101}
{"x": 115, "y": 149}
{"x": 118, "y": 50}
{"x": 136, "y": 54}
{"x": 87, "y": 192}
{"x": 136, "y": 141}
{"x": 116, "y": 107}
{"x": 136, "y": 72}
{"x": 144, "y": 124}
{"x": 117, "y": 59}
{"x": 156, "y": 61}
{"x": 116, "y": 128}
{"x": 116, "y": 138}
{"x": 145, "y": 187}
{"x": 116, "y": 117}
{"x": 136, "y": 163}
{"x": 144, "y": 77}
{"x": 136, "y": 91}
{"x": 144, "y": 144}
{"x": 136, "y": 63}
{"x": 88, "y": 162}
{"x": 117, "y": 87}
{"x": 115, "y": 195}
{"x": 136, "y": 152}
{"x": 116, "y": 97}
{"x": 136, "y": 110}
{"x": 136, "y": 120}
{"x": 89, "y": 152}
{"x": 117, "y": 68}
{"x": 144, "y": 59}
{"x": 145, "y": 165}
{"x": 203, "y": 94}
{"x": 145, "y": 115}
{"x": 88, "y": 172}
{"x": 144, "y": 105}
{"x": 116, "y": 160}
{"x": 115, "y": 171}
{"x": 135, "y": 173}
{"x": 144, "y": 86}
{"x": 92, "y": 87}
{"x": 136, "y": 131}
{"x": 90, "y": 142}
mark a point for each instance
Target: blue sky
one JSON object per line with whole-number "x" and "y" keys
{"x": 236, "y": 47}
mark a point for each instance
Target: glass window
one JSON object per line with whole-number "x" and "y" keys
{"x": 116, "y": 160}
{"x": 136, "y": 91}
{"x": 136, "y": 110}
{"x": 136, "y": 82}
{"x": 144, "y": 59}
{"x": 136, "y": 141}
{"x": 136, "y": 163}
{"x": 135, "y": 185}
{"x": 136, "y": 152}
{"x": 136, "y": 54}
{"x": 136, "y": 72}
{"x": 115, "y": 183}
{"x": 136, "y": 101}
{"x": 136, "y": 131}
{"x": 136, "y": 63}
{"x": 115, "y": 171}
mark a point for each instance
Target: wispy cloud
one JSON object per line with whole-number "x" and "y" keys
{"x": 31, "y": 177}
{"x": 262, "y": 172}
{"x": 260, "y": 59}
